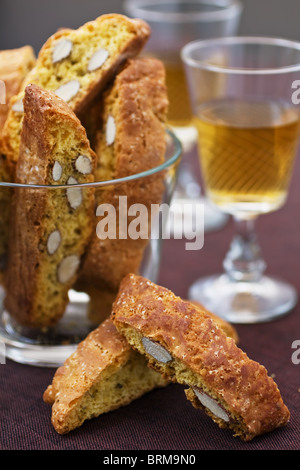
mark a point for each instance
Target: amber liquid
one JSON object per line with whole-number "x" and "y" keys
{"x": 180, "y": 113}
{"x": 247, "y": 150}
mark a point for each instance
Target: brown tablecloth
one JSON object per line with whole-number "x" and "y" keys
{"x": 163, "y": 419}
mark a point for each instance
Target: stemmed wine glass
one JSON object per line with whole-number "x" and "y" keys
{"x": 248, "y": 132}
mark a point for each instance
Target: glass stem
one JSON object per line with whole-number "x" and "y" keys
{"x": 244, "y": 261}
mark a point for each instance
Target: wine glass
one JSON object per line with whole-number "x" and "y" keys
{"x": 174, "y": 23}
{"x": 248, "y": 132}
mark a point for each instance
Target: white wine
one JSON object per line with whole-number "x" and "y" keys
{"x": 180, "y": 113}
{"x": 247, "y": 150}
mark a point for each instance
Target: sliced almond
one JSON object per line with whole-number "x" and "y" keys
{"x": 156, "y": 350}
{"x": 68, "y": 268}
{"x": 18, "y": 106}
{"x": 110, "y": 130}
{"x": 211, "y": 404}
{"x": 97, "y": 59}
{"x": 68, "y": 90}
{"x": 61, "y": 50}
{"x": 83, "y": 165}
{"x": 53, "y": 242}
{"x": 56, "y": 171}
{"x": 74, "y": 195}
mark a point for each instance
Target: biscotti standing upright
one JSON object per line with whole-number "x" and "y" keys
{"x": 15, "y": 64}
{"x": 186, "y": 345}
{"x": 103, "y": 374}
{"x": 50, "y": 228}
{"x": 132, "y": 141}
{"x": 77, "y": 65}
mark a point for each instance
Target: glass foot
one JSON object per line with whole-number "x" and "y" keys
{"x": 49, "y": 347}
{"x": 244, "y": 302}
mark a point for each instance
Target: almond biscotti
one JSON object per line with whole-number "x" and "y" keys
{"x": 15, "y": 64}
{"x": 103, "y": 374}
{"x": 5, "y": 199}
{"x": 133, "y": 140}
{"x": 186, "y": 345}
{"x": 50, "y": 228}
{"x": 77, "y": 65}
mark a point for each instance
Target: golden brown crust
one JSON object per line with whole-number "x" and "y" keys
{"x": 101, "y": 375}
{"x": 36, "y": 296}
{"x": 97, "y": 351}
{"x": 14, "y": 66}
{"x": 228, "y": 328}
{"x": 120, "y": 36}
{"x": 214, "y": 362}
{"x": 138, "y": 104}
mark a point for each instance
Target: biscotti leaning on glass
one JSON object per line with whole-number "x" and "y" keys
{"x": 132, "y": 141}
{"x": 95, "y": 70}
{"x": 77, "y": 65}
{"x": 50, "y": 228}
{"x": 103, "y": 374}
{"x": 184, "y": 344}
{"x": 15, "y": 64}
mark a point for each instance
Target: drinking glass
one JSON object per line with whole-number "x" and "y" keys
{"x": 173, "y": 24}
{"x": 248, "y": 133}
{"x": 90, "y": 297}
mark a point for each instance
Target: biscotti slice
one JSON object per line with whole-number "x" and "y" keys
{"x": 133, "y": 140}
{"x": 51, "y": 227}
{"x": 186, "y": 345}
{"x": 78, "y": 64}
{"x": 103, "y": 374}
{"x": 5, "y": 201}
{"x": 14, "y": 66}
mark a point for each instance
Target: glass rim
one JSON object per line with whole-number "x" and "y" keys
{"x": 176, "y": 154}
{"x": 239, "y": 40}
{"x": 230, "y": 8}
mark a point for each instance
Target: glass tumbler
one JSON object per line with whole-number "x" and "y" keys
{"x": 77, "y": 289}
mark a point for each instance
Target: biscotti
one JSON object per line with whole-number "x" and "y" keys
{"x": 50, "y": 227}
{"x": 77, "y": 65}
{"x": 186, "y": 345}
{"x": 5, "y": 200}
{"x": 15, "y": 64}
{"x": 103, "y": 374}
{"x": 133, "y": 140}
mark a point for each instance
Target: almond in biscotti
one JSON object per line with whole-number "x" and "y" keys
{"x": 156, "y": 350}
{"x": 74, "y": 195}
{"x": 97, "y": 59}
{"x": 110, "y": 130}
{"x": 53, "y": 225}
{"x": 83, "y": 165}
{"x": 56, "y": 171}
{"x": 68, "y": 90}
{"x": 53, "y": 242}
{"x": 61, "y": 50}
{"x": 67, "y": 268}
